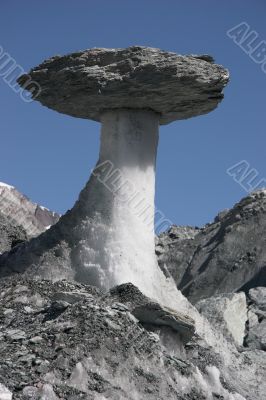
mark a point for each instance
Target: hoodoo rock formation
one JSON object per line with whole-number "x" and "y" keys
{"x": 108, "y": 237}
{"x": 134, "y": 336}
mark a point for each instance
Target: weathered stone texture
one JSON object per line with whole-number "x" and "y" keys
{"x": 85, "y": 83}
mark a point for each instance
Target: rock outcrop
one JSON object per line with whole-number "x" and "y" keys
{"x": 10, "y": 234}
{"x": 224, "y": 256}
{"x": 21, "y": 212}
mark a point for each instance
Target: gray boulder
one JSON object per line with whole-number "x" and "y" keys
{"x": 258, "y": 297}
{"x": 85, "y": 83}
{"x": 163, "y": 321}
{"x": 256, "y": 338}
{"x": 256, "y": 327}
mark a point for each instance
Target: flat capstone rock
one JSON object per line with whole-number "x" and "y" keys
{"x": 86, "y": 83}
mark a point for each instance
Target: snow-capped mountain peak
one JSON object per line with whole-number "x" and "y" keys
{"x": 21, "y": 211}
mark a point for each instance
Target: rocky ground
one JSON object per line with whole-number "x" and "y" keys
{"x": 70, "y": 341}
{"x": 66, "y": 340}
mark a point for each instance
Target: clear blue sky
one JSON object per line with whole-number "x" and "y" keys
{"x": 48, "y": 156}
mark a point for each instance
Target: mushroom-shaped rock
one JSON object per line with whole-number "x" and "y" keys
{"x": 108, "y": 237}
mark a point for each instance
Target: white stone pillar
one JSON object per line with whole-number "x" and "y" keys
{"x": 126, "y": 167}
{"x": 114, "y": 216}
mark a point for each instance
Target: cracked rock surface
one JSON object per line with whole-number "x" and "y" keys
{"x": 85, "y": 83}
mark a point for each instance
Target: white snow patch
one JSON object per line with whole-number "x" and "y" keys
{"x": 5, "y": 185}
{"x": 214, "y": 383}
{"x": 5, "y": 394}
{"x": 47, "y": 393}
{"x": 79, "y": 378}
{"x": 44, "y": 208}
